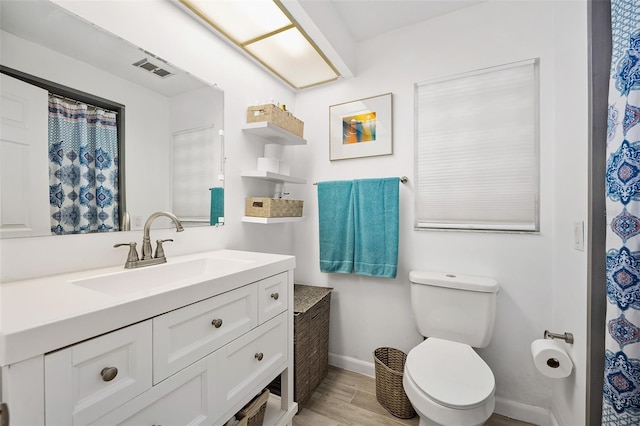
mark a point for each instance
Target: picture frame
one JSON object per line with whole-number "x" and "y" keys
{"x": 361, "y": 128}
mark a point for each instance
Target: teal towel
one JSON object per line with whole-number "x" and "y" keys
{"x": 335, "y": 217}
{"x": 217, "y": 205}
{"x": 376, "y": 226}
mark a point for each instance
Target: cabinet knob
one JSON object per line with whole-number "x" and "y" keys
{"x": 217, "y": 323}
{"x": 109, "y": 373}
{"x": 259, "y": 356}
{"x": 275, "y": 296}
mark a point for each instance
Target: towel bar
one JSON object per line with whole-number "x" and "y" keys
{"x": 403, "y": 179}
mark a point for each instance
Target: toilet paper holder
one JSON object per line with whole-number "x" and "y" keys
{"x": 567, "y": 337}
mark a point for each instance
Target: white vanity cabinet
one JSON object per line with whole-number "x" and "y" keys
{"x": 181, "y": 399}
{"x": 197, "y": 364}
{"x": 85, "y": 381}
{"x": 185, "y": 335}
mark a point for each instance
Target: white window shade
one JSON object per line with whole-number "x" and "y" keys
{"x": 477, "y": 150}
{"x": 196, "y": 154}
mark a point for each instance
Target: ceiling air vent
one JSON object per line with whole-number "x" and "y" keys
{"x": 152, "y": 68}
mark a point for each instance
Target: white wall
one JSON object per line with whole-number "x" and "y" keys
{"x": 162, "y": 28}
{"x": 571, "y": 165}
{"x": 532, "y": 269}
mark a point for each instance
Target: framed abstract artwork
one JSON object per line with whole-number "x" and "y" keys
{"x": 361, "y": 128}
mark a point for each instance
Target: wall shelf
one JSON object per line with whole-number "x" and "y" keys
{"x": 269, "y": 220}
{"x": 270, "y": 131}
{"x": 273, "y": 177}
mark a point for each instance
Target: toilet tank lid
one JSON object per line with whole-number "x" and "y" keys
{"x": 461, "y": 282}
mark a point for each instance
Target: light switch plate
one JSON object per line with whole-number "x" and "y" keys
{"x": 578, "y": 236}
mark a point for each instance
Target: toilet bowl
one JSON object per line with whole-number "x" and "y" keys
{"x": 448, "y": 384}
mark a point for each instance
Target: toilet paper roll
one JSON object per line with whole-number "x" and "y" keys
{"x": 284, "y": 168}
{"x": 268, "y": 164}
{"x": 273, "y": 150}
{"x": 550, "y": 358}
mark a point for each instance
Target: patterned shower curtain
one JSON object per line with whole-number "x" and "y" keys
{"x": 621, "y": 402}
{"x": 83, "y": 168}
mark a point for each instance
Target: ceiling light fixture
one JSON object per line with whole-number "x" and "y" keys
{"x": 269, "y": 34}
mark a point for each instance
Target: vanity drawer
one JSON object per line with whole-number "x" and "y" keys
{"x": 182, "y": 399}
{"x": 188, "y": 334}
{"x": 272, "y": 296}
{"x": 85, "y": 381}
{"x": 250, "y": 362}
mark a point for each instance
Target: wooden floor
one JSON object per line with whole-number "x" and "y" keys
{"x": 347, "y": 398}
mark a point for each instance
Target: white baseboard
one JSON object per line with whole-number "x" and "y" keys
{"x": 352, "y": 364}
{"x": 504, "y": 407}
{"x": 524, "y": 412}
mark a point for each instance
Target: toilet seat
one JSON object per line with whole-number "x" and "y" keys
{"x": 450, "y": 373}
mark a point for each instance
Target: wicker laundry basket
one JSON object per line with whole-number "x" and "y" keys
{"x": 389, "y": 389}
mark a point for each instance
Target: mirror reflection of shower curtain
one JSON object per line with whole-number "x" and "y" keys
{"x": 621, "y": 401}
{"x": 83, "y": 168}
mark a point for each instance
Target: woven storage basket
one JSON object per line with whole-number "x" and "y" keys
{"x": 253, "y": 413}
{"x": 277, "y": 116}
{"x": 310, "y": 341}
{"x": 389, "y": 390}
{"x": 272, "y": 207}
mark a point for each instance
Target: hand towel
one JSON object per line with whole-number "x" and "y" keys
{"x": 217, "y": 205}
{"x": 376, "y": 222}
{"x": 335, "y": 217}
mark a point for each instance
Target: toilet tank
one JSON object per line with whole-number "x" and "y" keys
{"x": 460, "y": 308}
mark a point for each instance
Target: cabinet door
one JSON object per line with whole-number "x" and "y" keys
{"x": 188, "y": 334}
{"x": 249, "y": 363}
{"x": 182, "y": 399}
{"x": 85, "y": 381}
{"x": 272, "y": 296}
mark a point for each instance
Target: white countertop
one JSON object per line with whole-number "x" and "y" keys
{"x": 48, "y": 313}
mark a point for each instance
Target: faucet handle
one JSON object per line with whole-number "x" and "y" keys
{"x": 133, "y": 253}
{"x": 159, "y": 249}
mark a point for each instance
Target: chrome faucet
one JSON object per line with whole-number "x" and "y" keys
{"x": 146, "y": 239}
{"x": 147, "y": 252}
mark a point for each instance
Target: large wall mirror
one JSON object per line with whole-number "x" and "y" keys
{"x": 170, "y": 128}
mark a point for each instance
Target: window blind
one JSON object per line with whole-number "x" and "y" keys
{"x": 477, "y": 150}
{"x": 194, "y": 154}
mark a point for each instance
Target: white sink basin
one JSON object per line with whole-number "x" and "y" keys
{"x": 150, "y": 279}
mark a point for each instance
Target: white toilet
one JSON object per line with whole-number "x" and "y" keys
{"x": 446, "y": 381}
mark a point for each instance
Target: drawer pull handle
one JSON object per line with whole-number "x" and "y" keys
{"x": 259, "y": 356}
{"x": 109, "y": 373}
{"x": 217, "y": 323}
{"x": 275, "y": 296}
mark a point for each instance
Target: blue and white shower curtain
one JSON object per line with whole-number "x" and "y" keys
{"x": 83, "y": 168}
{"x": 621, "y": 402}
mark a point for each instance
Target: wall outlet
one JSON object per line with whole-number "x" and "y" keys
{"x": 578, "y": 236}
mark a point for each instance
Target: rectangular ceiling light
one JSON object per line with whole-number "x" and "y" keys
{"x": 266, "y": 32}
